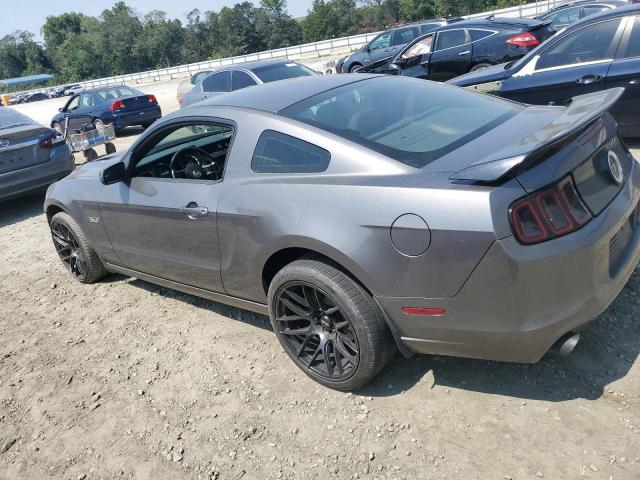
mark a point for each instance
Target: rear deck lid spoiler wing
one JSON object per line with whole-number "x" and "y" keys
{"x": 581, "y": 112}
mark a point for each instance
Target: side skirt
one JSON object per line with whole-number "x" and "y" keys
{"x": 198, "y": 292}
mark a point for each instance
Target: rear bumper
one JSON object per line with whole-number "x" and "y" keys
{"x": 521, "y": 299}
{"x": 129, "y": 119}
{"x": 36, "y": 177}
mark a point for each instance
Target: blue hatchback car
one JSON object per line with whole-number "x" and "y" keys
{"x": 599, "y": 52}
{"x": 119, "y": 105}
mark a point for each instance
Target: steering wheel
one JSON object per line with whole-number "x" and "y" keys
{"x": 197, "y": 164}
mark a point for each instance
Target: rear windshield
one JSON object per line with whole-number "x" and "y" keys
{"x": 282, "y": 71}
{"x": 410, "y": 120}
{"x": 10, "y": 118}
{"x": 115, "y": 93}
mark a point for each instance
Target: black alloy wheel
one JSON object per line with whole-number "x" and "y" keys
{"x": 315, "y": 333}
{"x": 69, "y": 250}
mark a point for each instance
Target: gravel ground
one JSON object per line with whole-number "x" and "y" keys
{"x": 124, "y": 379}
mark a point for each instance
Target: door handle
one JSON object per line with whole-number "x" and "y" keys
{"x": 193, "y": 211}
{"x": 466, "y": 52}
{"x": 587, "y": 79}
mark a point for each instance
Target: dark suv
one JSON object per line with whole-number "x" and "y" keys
{"x": 390, "y": 42}
{"x": 464, "y": 47}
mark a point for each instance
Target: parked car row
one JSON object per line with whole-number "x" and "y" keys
{"x": 594, "y": 54}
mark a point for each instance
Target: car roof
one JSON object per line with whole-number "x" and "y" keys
{"x": 492, "y": 21}
{"x": 276, "y": 96}
{"x": 613, "y": 13}
{"x": 250, "y": 65}
{"x": 585, "y": 2}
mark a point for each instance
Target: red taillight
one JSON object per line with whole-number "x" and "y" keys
{"x": 432, "y": 312}
{"x": 524, "y": 40}
{"x": 117, "y": 105}
{"x": 46, "y": 141}
{"x": 152, "y": 99}
{"x": 549, "y": 213}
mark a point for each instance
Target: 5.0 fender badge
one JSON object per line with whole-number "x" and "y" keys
{"x": 94, "y": 220}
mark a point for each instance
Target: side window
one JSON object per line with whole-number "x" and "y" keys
{"x": 450, "y": 39}
{"x": 405, "y": 35}
{"x": 218, "y": 82}
{"x": 193, "y": 151}
{"x": 73, "y": 104}
{"x": 479, "y": 34}
{"x": 633, "y": 46}
{"x": 280, "y": 153}
{"x": 588, "y": 44}
{"x": 381, "y": 41}
{"x": 593, "y": 9}
{"x": 565, "y": 16}
{"x": 197, "y": 78}
{"x": 428, "y": 27}
{"x": 241, "y": 80}
{"x": 86, "y": 100}
{"x": 418, "y": 49}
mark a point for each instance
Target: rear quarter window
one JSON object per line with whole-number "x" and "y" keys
{"x": 280, "y": 153}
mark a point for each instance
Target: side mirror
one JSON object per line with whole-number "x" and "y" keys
{"x": 113, "y": 174}
{"x": 61, "y": 109}
{"x": 394, "y": 69}
{"x": 367, "y": 48}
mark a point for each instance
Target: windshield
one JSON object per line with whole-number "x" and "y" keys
{"x": 409, "y": 120}
{"x": 282, "y": 71}
{"x": 110, "y": 94}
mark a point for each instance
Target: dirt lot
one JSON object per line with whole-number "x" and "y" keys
{"x": 124, "y": 379}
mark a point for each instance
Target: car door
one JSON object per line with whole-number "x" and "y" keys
{"x": 69, "y": 112}
{"x": 451, "y": 56}
{"x": 625, "y": 72}
{"x": 573, "y": 64}
{"x": 216, "y": 84}
{"x": 414, "y": 60}
{"x": 80, "y": 118}
{"x": 379, "y": 48}
{"x": 165, "y": 226}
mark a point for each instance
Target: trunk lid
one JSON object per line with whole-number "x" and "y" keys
{"x": 20, "y": 147}
{"x": 138, "y": 102}
{"x": 582, "y": 140}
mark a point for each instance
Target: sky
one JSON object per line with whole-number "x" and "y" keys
{"x": 31, "y": 14}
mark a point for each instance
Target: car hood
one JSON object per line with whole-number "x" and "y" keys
{"x": 94, "y": 167}
{"x": 491, "y": 74}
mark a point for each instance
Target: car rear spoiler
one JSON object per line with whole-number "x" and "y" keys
{"x": 581, "y": 112}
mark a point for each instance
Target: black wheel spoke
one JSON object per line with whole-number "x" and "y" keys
{"x": 315, "y": 333}
{"x": 297, "y": 298}
{"x": 294, "y": 308}
{"x": 296, "y": 331}
{"x": 349, "y": 357}
{"x": 331, "y": 311}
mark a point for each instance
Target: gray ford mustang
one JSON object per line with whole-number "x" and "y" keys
{"x": 366, "y": 214}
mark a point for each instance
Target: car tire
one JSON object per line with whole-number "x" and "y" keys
{"x": 341, "y": 324}
{"x": 354, "y": 68}
{"x": 74, "y": 249}
{"x": 98, "y": 125}
{"x": 480, "y": 66}
{"x": 90, "y": 155}
{"x": 109, "y": 148}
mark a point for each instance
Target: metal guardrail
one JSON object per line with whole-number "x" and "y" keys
{"x": 306, "y": 51}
